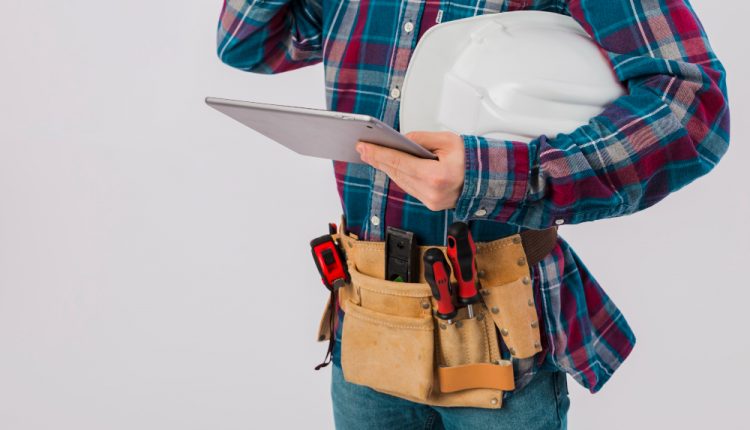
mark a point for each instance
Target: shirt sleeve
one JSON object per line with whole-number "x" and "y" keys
{"x": 671, "y": 127}
{"x": 270, "y": 36}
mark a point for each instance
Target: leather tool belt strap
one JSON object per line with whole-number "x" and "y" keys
{"x": 392, "y": 341}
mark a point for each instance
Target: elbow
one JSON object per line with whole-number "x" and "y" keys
{"x": 240, "y": 57}
{"x": 267, "y": 50}
{"x": 720, "y": 139}
{"x": 699, "y": 153}
{"x": 224, "y": 57}
{"x": 705, "y": 130}
{"x": 711, "y": 130}
{"x": 255, "y": 59}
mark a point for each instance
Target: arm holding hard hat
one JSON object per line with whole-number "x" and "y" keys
{"x": 671, "y": 127}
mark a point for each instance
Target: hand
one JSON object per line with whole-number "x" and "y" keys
{"x": 436, "y": 183}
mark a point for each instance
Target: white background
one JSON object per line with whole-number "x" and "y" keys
{"x": 154, "y": 261}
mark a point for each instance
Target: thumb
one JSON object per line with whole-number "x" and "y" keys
{"x": 432, "y": 140}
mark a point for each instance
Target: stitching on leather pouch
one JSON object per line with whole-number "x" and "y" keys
{"x": 362, "y": 317}
{"x": 491, "y": 246}
{"x": 369, "y": 244}
{"x": 486, "y": 338}
{"x": 389, "y": 293}
{"x": 465, "y": 345}
{"x": 395, "y": 292}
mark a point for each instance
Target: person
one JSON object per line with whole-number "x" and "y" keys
{"x": 671, "y": 127}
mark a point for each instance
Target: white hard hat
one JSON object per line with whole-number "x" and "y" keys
{"x": 511, "y": 75}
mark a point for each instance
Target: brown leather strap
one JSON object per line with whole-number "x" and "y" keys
{"x": 479, "y": 375}
{"x": 538, "y": 243}
{"x": 369, "y": 256}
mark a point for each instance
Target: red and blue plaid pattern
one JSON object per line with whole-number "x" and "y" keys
{"x": 670, "y": 128}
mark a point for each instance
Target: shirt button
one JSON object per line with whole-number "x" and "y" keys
{"x": 409, "y": 26}
{"x": 480, "y": 212}
{"x": 395, "y": 92}
{"x": 375, "y": 220}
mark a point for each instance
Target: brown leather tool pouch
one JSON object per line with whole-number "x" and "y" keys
{"x": 388, "y": 336}
{"x": 392, "y": 341}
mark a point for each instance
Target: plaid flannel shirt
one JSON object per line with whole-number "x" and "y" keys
{"x": 671, "y": 127}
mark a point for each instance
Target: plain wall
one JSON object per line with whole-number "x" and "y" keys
{"x": 154, "y": 262}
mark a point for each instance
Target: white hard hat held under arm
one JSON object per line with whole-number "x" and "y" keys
{"x": 568, "y": 119}
{"x": 510, "y": 76}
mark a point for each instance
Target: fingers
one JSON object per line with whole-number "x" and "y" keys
{"x": 394, "y": 163}
{"x": 403, "y": 169}
{"x": 435, "y": 183}
{"x": 433, "y": 140}
{"x": 410, "y": 186}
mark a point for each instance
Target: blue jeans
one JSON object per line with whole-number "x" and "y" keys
{"x": 542, "y": 404}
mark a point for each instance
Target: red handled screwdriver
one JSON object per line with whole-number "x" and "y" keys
{"x": 437, "y": 272}
{"x": 462, "y": 252}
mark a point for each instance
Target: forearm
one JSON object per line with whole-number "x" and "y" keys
{"x": 670, "y": 128}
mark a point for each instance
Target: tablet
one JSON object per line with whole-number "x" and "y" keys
{"x": 317, "y": 132}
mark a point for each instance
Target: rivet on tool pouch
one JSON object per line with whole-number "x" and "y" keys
{"x": 417, "y": 342}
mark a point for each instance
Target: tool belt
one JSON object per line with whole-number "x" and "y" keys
{"x": 392, "y": 341}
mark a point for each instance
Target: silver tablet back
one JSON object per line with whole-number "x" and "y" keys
{"x": 316, "y": 132}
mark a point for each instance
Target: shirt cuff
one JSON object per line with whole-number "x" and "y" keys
{"x": 496, "y": 181}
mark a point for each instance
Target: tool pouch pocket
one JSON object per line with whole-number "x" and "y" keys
{"x": 392, "y": 343}
{"x": 512, "y": 308}
{"x": 467, "y": 341}
{"x": 388, "y": 338}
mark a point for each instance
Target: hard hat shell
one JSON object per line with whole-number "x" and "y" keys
{"x": 511, "y": 75}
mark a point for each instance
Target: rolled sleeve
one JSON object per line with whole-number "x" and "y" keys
{"x": 496, "y": 181}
